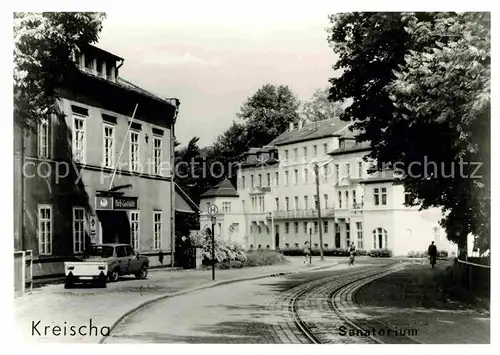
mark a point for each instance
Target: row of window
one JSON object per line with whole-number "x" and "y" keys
{"x": 305, "y": 151}
{"x": 108, "y": 145}
{"x": 305, "y": 176}
{"x": 45, "y": 229}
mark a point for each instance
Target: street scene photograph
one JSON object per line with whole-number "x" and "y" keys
{"x": 251, "y": 174}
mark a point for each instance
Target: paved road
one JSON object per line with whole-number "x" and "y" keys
{"x": 245, "y": 312}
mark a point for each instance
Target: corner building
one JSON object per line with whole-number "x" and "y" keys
{"x": 68, "y": 197}
{"x": 274, "y": 204}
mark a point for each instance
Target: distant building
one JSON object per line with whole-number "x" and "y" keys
{"x": 64, "y": 195}
{"x": 274, "y": 204}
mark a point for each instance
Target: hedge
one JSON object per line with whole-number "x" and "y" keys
{"x": 425, "y": 254}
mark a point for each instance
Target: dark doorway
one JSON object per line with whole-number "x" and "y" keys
{"x": 115, "y": 226}
{"x": 337, "y": 235}
{"x": 277, "y": 236}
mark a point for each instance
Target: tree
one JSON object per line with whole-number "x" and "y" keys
{"x": 420, "y": 85}
{"x": 44, "y": 44}
{"x": 319, "y": 107}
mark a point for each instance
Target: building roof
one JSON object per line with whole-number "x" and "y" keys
{"x": 130, "y": 86}
{"x": 379, "y": 176}
{"x": 310, "y": 131}
{"x": 357, "y": 147}
{"x": 102, "y": 52}
{"x": 189, "y": 206}
{"x": 222, "y": 189}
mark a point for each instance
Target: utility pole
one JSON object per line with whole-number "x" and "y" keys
{"x": 320, "y": 226}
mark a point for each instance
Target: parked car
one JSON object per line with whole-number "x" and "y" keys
{"x": 107, "y": 262}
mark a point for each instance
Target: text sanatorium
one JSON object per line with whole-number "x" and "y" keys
{"x": 38, "y": 329}
{"x": 344, "y": 331}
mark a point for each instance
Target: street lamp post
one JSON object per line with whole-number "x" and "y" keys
{"x": 310, "y": 241}
{"x": 316, "y": 172}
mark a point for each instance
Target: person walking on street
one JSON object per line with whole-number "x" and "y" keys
{"x": 352, "y": 254}
{"x": 307, "y": 252}
{"x": 432, "y": 251}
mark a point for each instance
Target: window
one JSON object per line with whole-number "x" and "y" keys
{"x": 296, "y": 176}
{"x": 287, "y": 202}
{"x": 134, "y": 229}
{"x": 296, "y": 225}
{"x": 315, "y": 150}
{"x": 384, "y": 196}
{"x": 337, "y": 174}
{"x": 359, "y": 228}
{"x": 79, "y": 139}
{"x": 354, "y": 198}
{"x": 45, "y": 230}
{"x": 43, "y": 139}
{"x": 295, "y": 152}
{"x": 348, "y": 234}
{"x": 208, "y": 206}
{"x": 157, "y": 150}
{"x": 157, "y": 230}
{"x": 305, "y": 152}
{"x": 252, "y": 182}
{"x": 379, "y": 238}
{"x": 306, "y": 202}
{"x": 121, "y": 252}
{"x": 78, "y": 230}
{"x": 325, "y": 196}
{"x": 277, "y": 204}
{"x": 286, "y": 154}
{"x": 347, "y": 199}
{"x": 235, "y": 228}
{"x": 286, "y": 178}
{"x": 110, "y": 72}
{"x": 129, "y": 250}
{"x": 325, "y": 172}
{"x": 326, "y": 245}
{"x": 408, "y": 198}
{"x": 296, "y": 198}
{"x": 226, "y": 206}
{"x": 242, "y": 182}
{"x": 325, "y": 226}
{"x": 339, "y": 199}
{"x": 316, "y": 202}
{"x": 360, "y": 169}
{"x": 268, "y": 179}
{"x": 376, "y": 197}
{"x": 260, "y": 180}
{"x": 134, "y": 151}
{"x": 259, "y": 227}
{"x": 287, "y": 227}
{"x": 306, "y": 173}
{"x": 99, "y": 68}
{"x": 325, "y": 148}
{"x": 109, "y": 147}
{"x": 348, "y": 170}
{"x": 89, "y": 64}
{"x": 277, "y": 178}
{"x": 316, "y": 227}
{"x": 305, "y": 228}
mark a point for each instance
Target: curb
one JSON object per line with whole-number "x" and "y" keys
{"x": 203, "y": 287}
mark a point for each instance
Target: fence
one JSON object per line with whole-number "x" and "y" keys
{"x": 475, "y": 275}
{"x": 23, "y": 272}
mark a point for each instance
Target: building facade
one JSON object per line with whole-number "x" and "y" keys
{"x": 277, "y": 192}
{"x": 98, "y": 171}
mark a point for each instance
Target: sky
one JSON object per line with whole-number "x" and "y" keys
{"x": 213, "y": 57}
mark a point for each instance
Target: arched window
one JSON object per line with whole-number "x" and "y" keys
{"x": 379, "y": 238}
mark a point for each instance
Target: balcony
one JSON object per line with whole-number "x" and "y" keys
{"x": 303, "y": 214}
{"x": 357, "y": 209}
{"x": 260, "y": 190}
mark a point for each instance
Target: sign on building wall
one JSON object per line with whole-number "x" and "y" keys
{"x": 116, "y": 203}
{"x": 93, "y": 225}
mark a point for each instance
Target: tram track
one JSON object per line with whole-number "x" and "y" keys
{"x": 315, "y": 310}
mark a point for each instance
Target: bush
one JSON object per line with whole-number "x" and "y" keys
{"x": 225, "y": 251}
{"x": 262, "y": 258}
{"x": 425, "y": 254}
{"x": 326, "y": 252}
{"x": 380, "y": 253}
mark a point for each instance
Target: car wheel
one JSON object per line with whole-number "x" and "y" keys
{"x": 143, "y": 273}
{"x": 113, "y": 275}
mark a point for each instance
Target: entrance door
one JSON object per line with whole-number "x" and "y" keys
{"x": 277, "y": 236}
{"x": 115, "y": 226}
{"x": 337, "y": 235}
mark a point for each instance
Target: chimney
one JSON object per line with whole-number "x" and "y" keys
{"x": 291, "y": 126}
{"x": 300, "y": 124}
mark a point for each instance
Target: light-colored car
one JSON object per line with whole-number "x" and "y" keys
{"x": 118, "y": 260}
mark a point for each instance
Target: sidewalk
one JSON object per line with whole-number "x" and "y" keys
{"x": 53, "y": 305}
{"x": 411, "y": 299}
